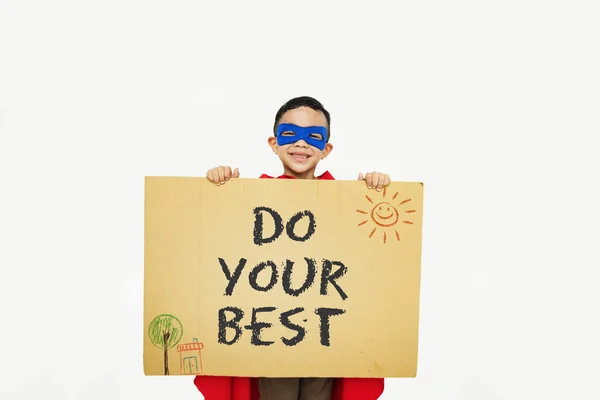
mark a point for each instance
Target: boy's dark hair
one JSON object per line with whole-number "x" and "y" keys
{"x": 303, "y": 101}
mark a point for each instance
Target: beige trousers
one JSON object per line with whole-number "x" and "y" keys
{"x": 295, "y": 388}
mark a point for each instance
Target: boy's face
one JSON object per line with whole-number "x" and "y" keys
{"x": 300, "y": 159}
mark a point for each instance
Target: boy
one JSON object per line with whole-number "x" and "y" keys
{"x": 301, "y": 140}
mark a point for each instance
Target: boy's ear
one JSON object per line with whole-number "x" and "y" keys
{"x": 273, "y": 143}
{"x": 328, "y": 148}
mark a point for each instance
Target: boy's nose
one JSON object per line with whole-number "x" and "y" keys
{"x": 301, "y": 143}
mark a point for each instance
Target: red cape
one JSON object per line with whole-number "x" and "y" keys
{"x": 241, "y": 388}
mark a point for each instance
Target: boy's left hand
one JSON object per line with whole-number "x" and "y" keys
{"x": 375, "y": 180}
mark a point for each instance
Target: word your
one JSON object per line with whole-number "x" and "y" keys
{"x": 327, "y": 276}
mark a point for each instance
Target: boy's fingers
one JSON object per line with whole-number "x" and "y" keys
{"x": 375, "y": 181}
{"x": 236, "y": 173}
{"x": 221, "y": 174}
{"x": 384, "y": 180}
{"x": 227, "y": 173}
{"x": 381, "y": 183}
{"x": 210, "y": 175}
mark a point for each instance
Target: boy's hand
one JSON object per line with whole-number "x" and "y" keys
{"x": 375, "y": 180}
{"x": 221, "y": 174}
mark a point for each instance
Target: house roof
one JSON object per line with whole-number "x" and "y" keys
{"x": 190, "y": 346}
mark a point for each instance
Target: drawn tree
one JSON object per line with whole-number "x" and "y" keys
{"x": 165, "y": 332}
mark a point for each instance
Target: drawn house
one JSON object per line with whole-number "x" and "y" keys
{"x": 190, "y": 358}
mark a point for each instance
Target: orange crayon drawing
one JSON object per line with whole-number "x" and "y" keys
{"x": 385, "y": 215}
{"x": 190, "y": 358}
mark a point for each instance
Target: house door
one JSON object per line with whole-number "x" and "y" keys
{"x": 190, "y": 365}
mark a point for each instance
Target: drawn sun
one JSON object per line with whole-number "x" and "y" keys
{"x": 385, "y": 215}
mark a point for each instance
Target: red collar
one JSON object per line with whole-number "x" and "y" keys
{"x": 324, "y": 176}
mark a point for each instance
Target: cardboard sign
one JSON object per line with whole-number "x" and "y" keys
{"x": 281, "y": 278}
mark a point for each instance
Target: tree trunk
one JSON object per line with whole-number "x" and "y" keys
{"x": 166, "y": 350}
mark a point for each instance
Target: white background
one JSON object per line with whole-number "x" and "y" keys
{"x": 494, "y": 105}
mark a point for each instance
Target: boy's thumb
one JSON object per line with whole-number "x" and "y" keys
{"x": 236, "y": 173}
{"x": 360, "y": 176}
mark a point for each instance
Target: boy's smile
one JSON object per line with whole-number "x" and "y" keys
{"x": 299, "y": 158}
{"x": 299, "y": 152}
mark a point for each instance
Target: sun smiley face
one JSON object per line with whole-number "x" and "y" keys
{"x": 384, "y": 214}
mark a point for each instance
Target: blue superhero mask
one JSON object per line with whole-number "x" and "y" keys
{"x": 301, "y": 133}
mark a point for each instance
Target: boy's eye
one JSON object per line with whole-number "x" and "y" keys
{"x": 316, "y": 136}
{"x": 287, "y": 133}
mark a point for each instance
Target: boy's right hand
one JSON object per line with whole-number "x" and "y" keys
{"x": 221, "y": 174}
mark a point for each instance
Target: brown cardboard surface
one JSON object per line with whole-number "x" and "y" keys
{"x": 364, "y": 250}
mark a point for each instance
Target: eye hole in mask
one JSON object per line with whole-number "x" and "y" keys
{"x": 316, "y": 136}
{"x": 313, "y": 135}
